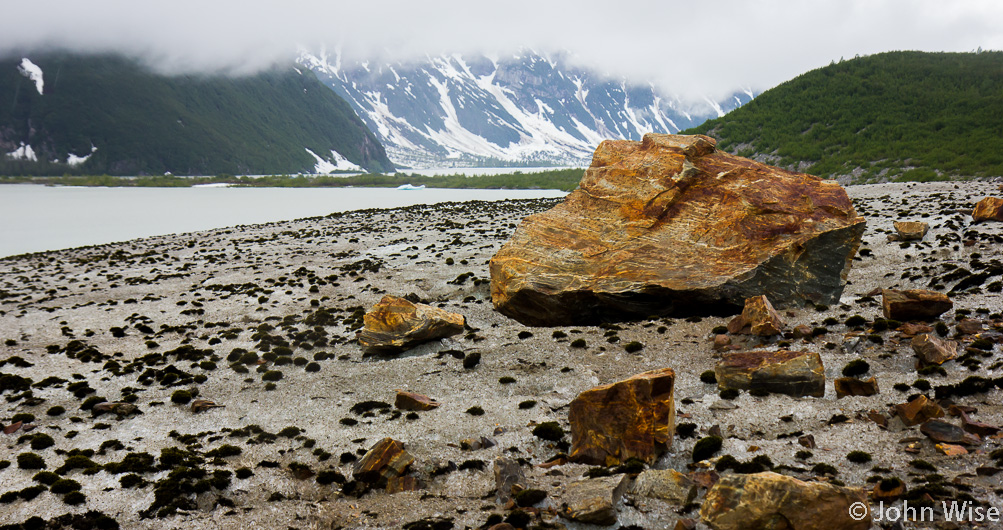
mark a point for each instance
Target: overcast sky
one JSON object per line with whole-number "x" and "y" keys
{"x": 690, "y": 47}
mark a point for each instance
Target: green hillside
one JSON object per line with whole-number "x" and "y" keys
{"x": 143, "y": 123}
{"x": 891, "y": 116}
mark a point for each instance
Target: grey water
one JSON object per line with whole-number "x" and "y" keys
{"x": 37, "y": 218}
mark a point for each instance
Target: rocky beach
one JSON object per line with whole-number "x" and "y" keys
{"x": 214, "y": 380}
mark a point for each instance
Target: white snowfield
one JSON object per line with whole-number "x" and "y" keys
{"x": 33, "y": 72}
{"x": 336, "y": 162}
{"x": 25, "y": 152}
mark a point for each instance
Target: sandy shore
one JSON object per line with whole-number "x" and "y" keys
{"x": 226, "y": 289}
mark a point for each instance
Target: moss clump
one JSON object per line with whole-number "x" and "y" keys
{"x": 528, "y": 404}
{"x": 578, "y": 343}
{"x": 64, "y": 485}
{"x": 290, "y": 432}
{"x": 42, "y": 441}
{"x": 506, "y": 380}
{"x": 244, "y": 472}
{"x": 686, "y": 430}
{"x": 24, "y": 417}
{"x": 890, "y": 484}
{"x": 30, "y": 461}
{"x": 312, "y": 367}
{"x": 707, "y": 447}
{"x": 529, "y": 497}
{"x": 709, "y": 377}
{"x": 132, "y": 463}
{"x": 471, "y": 360}
{"x": 856, "y": 367}
{"x": 181, "y": 397}
{"x": 633, "y": 347}
{"x": 225, "y": 450}
{"x": 475, "y": 411}
{"x": 855, "y": 321}
{"x": 549, "y": 430}
{"x": 824, "y": 469}
{"x": 923, "y": 465}
{"x": 729, "y": 393}
{"x": 45, "y": 477}
{"x": 132, "y": 480}
{"x": 272, "y": 375}
{"x": 803, "y": 455}
{"x": 31, "y": 492}
{"x": 55, "y": 411}
{"x": 858, "y": 457}
{"x": 941, "y": 328}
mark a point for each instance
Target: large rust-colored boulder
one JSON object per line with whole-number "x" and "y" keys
{"x": 794, "y": 373}
{"x": 988, "y": 209}
{"x": 635, "y": 417}
{"x": 395, "y": 324}
{"x": 670, "y": 225}
{"x": 914, "y": 304}
{"x": 758, "y": 318}
{"x": 384, "y": 461}
{"x": 770, "y": 501}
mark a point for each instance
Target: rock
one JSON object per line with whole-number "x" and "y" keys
{"x": 202, "y": 405}
{"x": 910, "y": 230}
{"x": 781, "y": 372}
{"x": 670, "y": 225}
{"x": 593, "y": 501}
{"x": 807, "y": 440}
{"x": 988, "y": 209}
{"x": 951, "y": 449}
{"x": 918, "y": 411}
{"x": 910, "y": 329}
{"x": 666, "y": 484}
{"x": 13, "y": 427}
{"x": 932, "y": 350}
{"x": 685, "y": 524}
{"x": 851, "y": 386}
{"x": 914, "y": 304}
{"x": 404, "y": 483}
{"x": 384, "y": 461}
{"x": 769, "y": 501}
{"x": 977, "y": 427}
{"x": 888, "y": 490}
{"x": 942, "y": 431}
{"x": 635, "y": 418}
{"x": 721, "y": 342}
{"x": 395, "y": 325}
{"x": 121, "y": 408}
{"x": 758, "y": 318}
{"x": 801, "y": 332}
{"x": 508, "y": 473}
{"x": 411, "y": 401}
{"x": 969, "y": 326}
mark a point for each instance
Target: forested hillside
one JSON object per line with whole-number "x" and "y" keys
{"x": 891, "y": 116}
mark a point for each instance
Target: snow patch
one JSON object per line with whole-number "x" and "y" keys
{"x": 25, "y": 152}
{"x": 335, "y": 163}
{"x": 33, "y": 72}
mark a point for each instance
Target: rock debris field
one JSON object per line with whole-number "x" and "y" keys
{"x": 214, "y": 380}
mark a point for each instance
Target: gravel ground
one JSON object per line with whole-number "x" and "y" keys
{"x": 304, "y": 283}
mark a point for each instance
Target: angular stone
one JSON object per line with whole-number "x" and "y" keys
{"x": 988, "y": 209}
{"x": 758, "y": 318}
{"x": 914, "y": 304}
{"x": 770, "y": 501}
{"x": 721, "y": 342}
{"x": 508, "y": 473}
{"x": 851, "y": 386}
{"x": 412, "y": 401}
{"x": 951, "y": 449}
{"x": 942, "y": 431}
{"x": 385, "y": 460}
{"x": 910, "y": 230}
{"x": 395, "y": 324}
{"x": 635, "y": 418}
{"x": 978, "y": 427}
{"x": 969, "y": 326}
{"x": 666, "y": 484}
{"x": 670, "y": 225}
{"x": 911, "y": 329}
{"x": 932, "y": 350}
{"x": 793, "y": 373}
{"x": 593, "y": 501}
{"x": 918, "y": 411}
{"x": 404, "y": 483}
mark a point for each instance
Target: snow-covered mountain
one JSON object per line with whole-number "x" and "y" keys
{"x": 463, "y": 110}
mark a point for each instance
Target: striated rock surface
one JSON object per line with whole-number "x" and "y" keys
{"x": 910, "y": 230}
{"x": 670, "y": 225}
{"x": 932, "y": 350}
{"x": 851, "y": 386}
{"x": 395, "y": 324}
{"x": 770, "y": 501}
{"x": 914, "y": 304}
{"x": 630, "y": 418}
{"x": 988, "y": 209}
{"x": 758, "y": 318}
{"x": 781, "y": 372}
{"x": 384, "y": 461}
{"x": 593, "y": 501}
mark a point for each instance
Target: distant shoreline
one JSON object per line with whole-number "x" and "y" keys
{"x": 557, "y": 179}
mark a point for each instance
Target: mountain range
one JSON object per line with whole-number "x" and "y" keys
{"x": 523, "y": 109}
{"x": 85, "y": 114}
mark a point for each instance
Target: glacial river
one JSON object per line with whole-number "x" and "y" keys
{"x": 38, "y": 218}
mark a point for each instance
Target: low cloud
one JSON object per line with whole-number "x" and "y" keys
{"x": 692, "y": 48}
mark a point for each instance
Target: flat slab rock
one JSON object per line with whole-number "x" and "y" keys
{"x": 395, "y": 324}
{"x": 630, "y": 418}
{"x": 914, "y": 304}
{"x": 670, "y": 225}
{"x": 769, "y": 500}
{"x": 793, "y": 373}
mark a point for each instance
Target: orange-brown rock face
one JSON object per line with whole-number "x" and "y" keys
{"x": 635, "y": 417}
{"x": 988, "y": 209}
{"x": 395, "y": 324}
{"x": 670, "y": 225}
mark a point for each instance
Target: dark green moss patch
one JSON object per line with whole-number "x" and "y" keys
{"x": 707, "y": 447}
